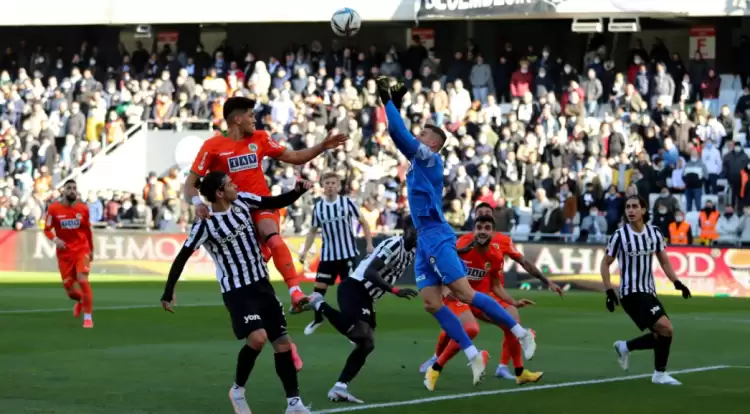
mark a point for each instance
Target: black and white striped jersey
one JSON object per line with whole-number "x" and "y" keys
{"x": 230, "y": 239}
{"x": 396, "y": 258}
{"x": 336, "y": 222}
{"x": 634, "y": 253}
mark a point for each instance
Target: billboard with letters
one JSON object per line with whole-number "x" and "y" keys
{"x": 707, "y": 271}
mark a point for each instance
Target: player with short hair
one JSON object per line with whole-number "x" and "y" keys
{"x": 67, "y": 224}
{"x": 478, "y": 252}
{"x": 437, "y": 264}
{"x": 334, "y": 215}
{"x": 633, "y": 246}
{"x": 374, "y": 276}
{"x": 256, "y": 312}
{"x": 240, "y": 154}
{"x": 485, "y": 261}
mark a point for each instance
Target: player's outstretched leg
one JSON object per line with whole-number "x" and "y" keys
{"x": 495, "y": 313}
{"x": 268, "y": 229}
{"x": 472, "y": 330}
{"x": 320, "y": 289}
{"x": 245, "y": 363}
{"x": 512, "y": 351}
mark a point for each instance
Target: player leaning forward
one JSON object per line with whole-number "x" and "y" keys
{"x": 357, "y": 294}
{"x": 67, "y": 224}
{"x": 437, "y": 263}
{"x": 633, "y": 245}
{"x": 257, "y": 314}
{"x": 240, "y": 155}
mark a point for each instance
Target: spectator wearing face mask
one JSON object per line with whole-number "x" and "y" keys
{"x": 728, "y": 226}
{"x": 668, "y": 201}
{"x": 694, "y": 175}
{"x": 613, "y": 208}
{"x": 679, "y": 231}
{"x": 708, "y": 219}
{"x": 521, "y": 81}
{"x": 663, "y": 217}
{"x": 593, "y": 226}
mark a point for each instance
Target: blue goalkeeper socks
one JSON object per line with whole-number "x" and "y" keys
{"x": 452, "y": 326}
{"x": 493, "y": 310}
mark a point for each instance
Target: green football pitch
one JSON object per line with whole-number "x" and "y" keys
{"x": 139, "y": 359}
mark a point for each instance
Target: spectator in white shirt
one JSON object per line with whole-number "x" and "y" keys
{"x": 460, "y": 101}
{"x": 711, "y": 158}
{"x": 678, "y": 183}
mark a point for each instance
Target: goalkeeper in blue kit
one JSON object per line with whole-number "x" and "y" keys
{"x": 437, "y": 263}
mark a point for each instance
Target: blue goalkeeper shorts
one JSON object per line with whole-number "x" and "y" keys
{"x": 437, "y": 262}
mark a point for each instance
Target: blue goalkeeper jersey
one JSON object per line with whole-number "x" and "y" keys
{"x": 424, "y": 180}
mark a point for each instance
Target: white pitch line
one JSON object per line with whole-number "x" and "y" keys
{"x": 508, "y": 391}
{"x": 98, "y": 308}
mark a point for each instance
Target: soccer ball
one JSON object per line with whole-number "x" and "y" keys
{"x": 345, "y": 22}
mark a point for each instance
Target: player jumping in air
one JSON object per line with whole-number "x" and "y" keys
{"x": 67, "y": 224}
{"x": 633, "y": 246}
{"x": 437, "y": 263}
{"x": 357, "y": 294}
{"x": 257, "y": 314}
{"x": 480, "y": 250}
{"x": 240, "y": 154}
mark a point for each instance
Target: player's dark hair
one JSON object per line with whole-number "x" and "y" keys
{"x": 210, "y": 184}
{"x": 484, "y": 205}
{"x": 485, "y": 219}
{"x": 644, "y": 205}
{"x": 439, "y": 132}
{"x": 236, "y": 103}
{"x": 71, "y": 181}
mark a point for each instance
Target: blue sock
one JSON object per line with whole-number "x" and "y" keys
{"x": 452, "y": 326}
{"x": 493, "y": 310}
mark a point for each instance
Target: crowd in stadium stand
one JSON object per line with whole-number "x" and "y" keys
{"x": 554, "y": 145}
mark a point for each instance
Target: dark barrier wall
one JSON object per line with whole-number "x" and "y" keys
{"x": 708, "y": 271}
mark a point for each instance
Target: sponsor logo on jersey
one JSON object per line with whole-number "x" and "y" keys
{"x": 242, "y": 162}
{"x": 70, "y": 224}
{"x": 475, "y": 274}
{"x": 487, "y": 265}
{"x": 224, "y": 154}
{"x": 252, "y": 148}
{"x": 237, "y": 232}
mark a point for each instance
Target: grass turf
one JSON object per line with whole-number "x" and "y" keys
{"x": 143, "y": 360}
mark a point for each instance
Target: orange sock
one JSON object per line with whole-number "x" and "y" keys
{"x": 442, "y": 342}
{"x": 512, "y": 348}
{"x": 88, "y": 297}
{"x": 74, "y": 294}
{"x": 472, "y": 329}
{"x": 282, "y": 259}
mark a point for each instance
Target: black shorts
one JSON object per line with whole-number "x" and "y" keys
{"x": 256, "y": 307}
{"x": 329, "y": 270}
{"x": 643, "y": 308}
{"x": 355, "y": 303}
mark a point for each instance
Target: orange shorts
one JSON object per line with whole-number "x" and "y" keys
{"x": 458, "y": 307}
{"x": 70, "y": 267}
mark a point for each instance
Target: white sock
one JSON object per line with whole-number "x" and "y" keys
{"x": 623, "y": 347}
{"x": 471, "y": 352}
{"x": 317, "y": 305}
{"x": 237, "y": 387}
{"x": 519, "y": 331}
{"x": 294, "y": 401}
{"x": 341, "y": 385}
{"x": 86, "y": 316}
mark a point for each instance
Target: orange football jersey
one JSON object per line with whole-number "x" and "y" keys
{"x": 479, "y": 265}
{"x": 241, "y": 160}
{"x": 71, "y": 225}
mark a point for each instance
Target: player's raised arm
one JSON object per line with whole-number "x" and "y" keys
{"x": 275, "y": 202}
{"x": 378, "y": 264}
{"x": 198, "y": 236}
{"x": 303, "y": 156}
{"x": 404, "y": 140}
